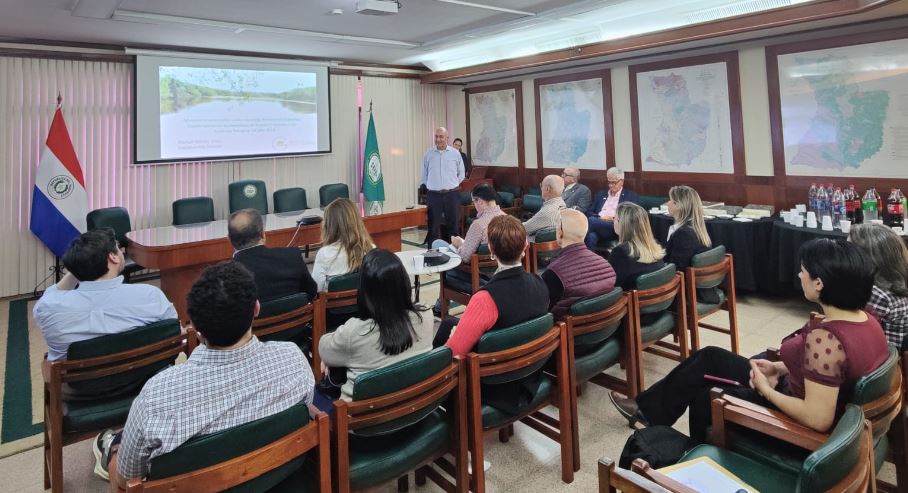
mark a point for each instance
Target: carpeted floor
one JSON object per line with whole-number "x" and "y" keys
{"x": 528, "y": 463}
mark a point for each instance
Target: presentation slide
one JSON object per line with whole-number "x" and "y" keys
{"x": 200, "y": 109}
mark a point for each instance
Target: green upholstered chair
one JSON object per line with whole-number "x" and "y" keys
{"x": 274, "y": 453}
{"x": 535, "y": 190}
{"x": 508, "y": 202}
{"x": 657, "y": 310}
{"x": 327, "y": 193}
{"x": 650, "y": 201}
{"x": 879, "y": 393}
{"x": 467, "y": 212}
{"x": 512, "y": 357}
{"x": 511, "y": 189}
{"x": 404, "y": 417}
{"x": 612, "y": 478}
{"x": 597, "y": 329}
{"x": 107, "y": 373}
{"x": 290, "y": 200}
{"x": 712, "y": 269}
{"x": 530, "y": 205}
{"x": 117, "y": 219}
{"x": 837, "y": 462}
{"x": 453, "y": 288}
{"x": 543, "y": 249}
{"x": 193, "y": 210}
{"x": 333, "y": 307}
{"x": 286, "y": 318}
{"x": 247, "y": 194}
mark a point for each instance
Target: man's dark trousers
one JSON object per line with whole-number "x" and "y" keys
{"x": 443, "y": 203}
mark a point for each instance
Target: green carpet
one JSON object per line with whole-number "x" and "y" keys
{"x": 17, "y": 389}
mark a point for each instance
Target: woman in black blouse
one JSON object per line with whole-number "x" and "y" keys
{"x": 688, "y": 236}
{"x": 637, "y": 252}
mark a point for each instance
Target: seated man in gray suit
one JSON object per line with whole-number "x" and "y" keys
{"x": 576, "y": 195}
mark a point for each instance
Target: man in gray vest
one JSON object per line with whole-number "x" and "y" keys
{"x": 576, "y": 273}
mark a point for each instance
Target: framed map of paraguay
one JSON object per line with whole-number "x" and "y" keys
{"x": 687, "y": 116}
{"x": 574, "y": 121}
{"x": 843, "y": 109}
{"x": 495, "y": 125}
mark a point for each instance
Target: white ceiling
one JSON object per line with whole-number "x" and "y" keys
{"x": 430, "y": 32}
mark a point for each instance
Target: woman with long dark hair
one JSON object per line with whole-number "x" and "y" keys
{"x": 390, "y": 327}
{"x": 889, "y": 301}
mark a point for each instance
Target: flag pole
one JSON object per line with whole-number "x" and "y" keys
{"x": 58, "y": 269}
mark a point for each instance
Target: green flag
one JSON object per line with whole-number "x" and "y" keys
{"x": 373, "y": 183}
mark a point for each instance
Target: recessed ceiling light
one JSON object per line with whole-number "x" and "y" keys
{"x": 337, "y": 12}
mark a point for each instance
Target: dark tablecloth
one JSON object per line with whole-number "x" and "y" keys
{"x": 783, "y": 267}
{"x": 747, "y": 241}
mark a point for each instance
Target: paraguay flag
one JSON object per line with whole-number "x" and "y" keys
{"x": 59, "y": 201}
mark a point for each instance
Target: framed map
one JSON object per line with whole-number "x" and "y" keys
{"x": 493, "y": 114}
{"x": 574, "y": 121}
{"x": 686, "y": 116}
{"x": 843, "y": 109}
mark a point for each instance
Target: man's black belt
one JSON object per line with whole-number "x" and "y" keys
{"x": 445, "y": 191}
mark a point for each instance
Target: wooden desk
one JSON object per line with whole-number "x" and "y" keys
{"x": 181, "y": 252}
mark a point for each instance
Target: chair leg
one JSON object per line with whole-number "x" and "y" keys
{"x": 403, "y": 483}
{"x": 733, "y": 326}
{"x": 419, "y": 476}
{"x": 56, "y": 465}
{"x": 46, "y": 460}
{"x": 503, "y": 435}
{"x": 694, "y": 328}
{"x": 575, "y": 430}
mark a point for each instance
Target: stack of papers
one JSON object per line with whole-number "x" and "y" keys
{"x": 704, "y": 474}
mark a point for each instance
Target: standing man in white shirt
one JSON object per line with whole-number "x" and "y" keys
{"x": 102, "y": 304}
{"x": 442, "y": 172}
{"x": 576, "y": 195}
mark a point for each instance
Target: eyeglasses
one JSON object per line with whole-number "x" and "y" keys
{"x": 614, "y": 182}
{"x": 567, "y": 175}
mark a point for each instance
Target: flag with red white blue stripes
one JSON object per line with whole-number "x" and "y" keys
{"x": 59, "y": 199}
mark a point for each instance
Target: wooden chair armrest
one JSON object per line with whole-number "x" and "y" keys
{"x": 46, "y": 368}
{"x": 642, "y": 468}
{"x": 728, "y": 409}
{"x": 772, "y": 354}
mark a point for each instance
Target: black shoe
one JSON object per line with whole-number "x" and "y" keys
{"x": 628, "y": 408}
{"x": 436, "y": 309}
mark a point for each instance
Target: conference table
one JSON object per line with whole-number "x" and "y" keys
{"x": 180, "y": 253}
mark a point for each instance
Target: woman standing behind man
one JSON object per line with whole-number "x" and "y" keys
{"x": 345, "y": 242}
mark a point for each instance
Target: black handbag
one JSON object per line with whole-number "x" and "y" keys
{"x": 658, "y": 445}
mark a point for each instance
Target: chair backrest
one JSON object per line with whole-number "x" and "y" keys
{"x": 593, "y": 320}
{"x": 290, "y": 200}
{"x": 115, "y": 218}
{"x": 531, "y": 203}
{"x": 708, "y": 269}
{"x": 226, "y": 458}
{"x": 535, "y": 190}
{"x": 510, "y": 188}
{"x": 613, "y": 478}
{"x": 543, "y": 249}
{"x": 163, "y": 335}
{"x": 505, "y": 199}
{"x": 650, "y": 201}
{"x": 341, "y": 294}
{"x": 394, "y": 378}
{"x": 248, "y": 194}
{"x": 283, "y": 319}
{"x": 466, "y": 198}
{"x": 193, "y": 210}
{"x": 656, "y": 290}
{"x": 327, "y": 193}
{"x": 879, "y": 393}
{"x": 511, "y": 353}
{"x": 842, "y": 463}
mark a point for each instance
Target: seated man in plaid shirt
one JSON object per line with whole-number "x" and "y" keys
{"x": 230, "y": 380}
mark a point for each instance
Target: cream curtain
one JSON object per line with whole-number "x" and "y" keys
{"x": 97, "y": 106}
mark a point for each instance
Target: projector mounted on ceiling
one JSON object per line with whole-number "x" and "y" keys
{"x": 377, "y": 7}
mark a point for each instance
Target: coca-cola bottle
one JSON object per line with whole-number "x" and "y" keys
{"x": 849, "y": 203}
{"x": 894, "y": 211}
{"x": 858, "y": 214}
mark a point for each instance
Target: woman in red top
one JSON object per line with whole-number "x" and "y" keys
{"x": 819, "y": 366}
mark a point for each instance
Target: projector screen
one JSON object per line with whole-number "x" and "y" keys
{"x": 189, "y": 108}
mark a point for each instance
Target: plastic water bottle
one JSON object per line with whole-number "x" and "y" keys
{"x": 823, "y": 204}
{"x": 812, "y": 197}
{"x": 829, "y": 191}
{"x": 838, "y": 207}
{"x": 869, "y": 206}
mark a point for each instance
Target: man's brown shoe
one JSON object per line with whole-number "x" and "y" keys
{"x": 628, "y": 408}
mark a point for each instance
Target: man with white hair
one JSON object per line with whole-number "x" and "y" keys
{"x": 576, "y": 195}
{"x": 547, "y": 216}
{"x": 602, "y": 212}
{"x": 442, "y": 172}
{"x": 576, "y": 273}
